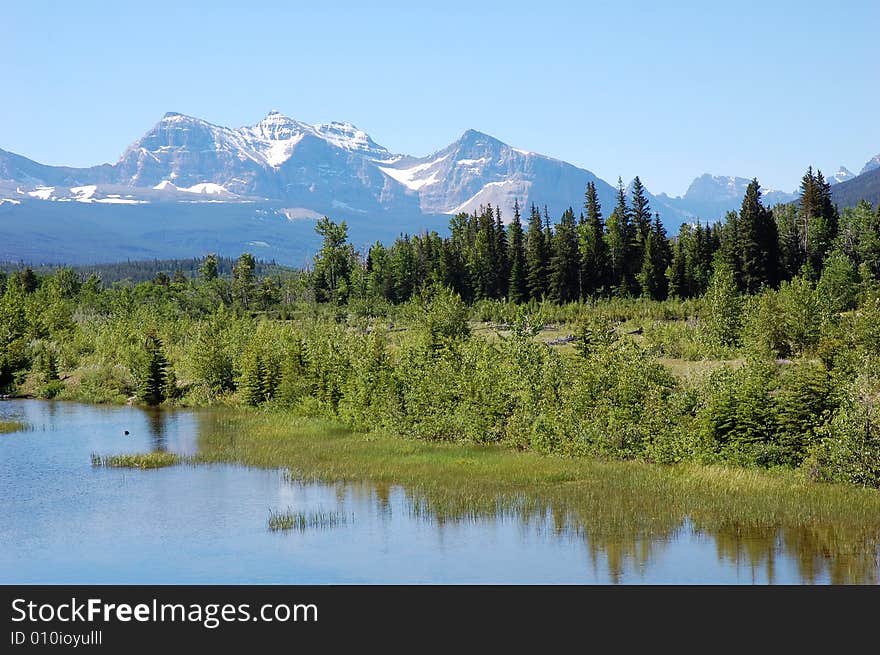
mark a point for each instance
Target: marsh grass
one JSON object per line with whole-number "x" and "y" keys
{"x": 7, "y": 427}
{"x": 152, "y": 460}
{"x": 302, "y": 521}
{"x": 624, "y": 508}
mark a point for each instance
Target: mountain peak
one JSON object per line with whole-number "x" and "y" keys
{"x": 871, "y": 165}
{"x": 842, "y": 175}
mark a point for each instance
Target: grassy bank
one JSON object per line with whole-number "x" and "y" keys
{"x": 621, "y": 507}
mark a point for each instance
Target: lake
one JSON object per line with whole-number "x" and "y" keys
{"x": 63, "y": 521}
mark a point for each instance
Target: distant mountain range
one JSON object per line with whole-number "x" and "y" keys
{"x": 188, "y": 186}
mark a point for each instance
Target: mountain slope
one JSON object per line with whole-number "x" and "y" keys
{"x": 865, "y": 186}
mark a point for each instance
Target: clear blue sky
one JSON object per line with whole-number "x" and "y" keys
{"x": 664, "y": 90}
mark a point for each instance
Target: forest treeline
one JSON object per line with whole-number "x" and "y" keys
{"x": 586, "y": 256}
{"x": 761, "y": 348}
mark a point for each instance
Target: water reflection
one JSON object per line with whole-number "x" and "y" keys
{"x": 67, "y": 522}
{"x": 157, "y": 424}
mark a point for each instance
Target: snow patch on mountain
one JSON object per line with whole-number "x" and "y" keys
{"x": 205, "y": 188}
{"x": 842, "y": 175}
{"x": 42, "y": 192}
{"x": 411, "y": 177}
{"x": 84, "y": 193}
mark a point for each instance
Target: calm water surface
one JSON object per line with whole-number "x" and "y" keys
{"x": 63, "y": 521}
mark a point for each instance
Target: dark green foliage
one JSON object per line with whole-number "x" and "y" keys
{"x": 758, "y": 242}
{"x": 620, "y": 238}
{"x": 595, "y": 276}
{"x": 517, "y": 281}
{"x": 152, "y": 375}
{"x": 565, "y": 261}
{"x": 208, "y": 268}
{"x": 537, "y": 257}
{"x": 243, "y": 282}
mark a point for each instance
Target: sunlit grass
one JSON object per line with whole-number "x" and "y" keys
{"x": 7, "y": 427}
{"x": 152, "y": 460}
{"x": 302, "y": 521}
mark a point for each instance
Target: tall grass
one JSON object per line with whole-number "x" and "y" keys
{"x": 623, "y": 510}
{"x": 7, "y": 427}
{"x": 292, "y": 520}
{"x": 152, "y": 460}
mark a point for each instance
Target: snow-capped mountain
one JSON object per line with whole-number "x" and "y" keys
{"x": 872, "y": 164}
{"x": 842, "y": 175}
{"x": 186, "y": 180}
{"x": 710, "y": 197}
{"x": 328, "y": 168}
{"x": 478, "y": 169}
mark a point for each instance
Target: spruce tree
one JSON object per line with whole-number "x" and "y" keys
{"x": 564, "y": 263}
{"x": 758, "y": 242}
{"x": 592, "y": 245}
{"x": 518, "y": 290}
{"x": 641, "y": 211}
{"x": 619, "y": 239}
{"x": 537, "y": 259}
{"x": 208, "y": 269}
{"x": 657, "y": 258}
{"x": 243, "y": 280}
{"x": 502, "y": 257}
{"x": 152, "y": 375}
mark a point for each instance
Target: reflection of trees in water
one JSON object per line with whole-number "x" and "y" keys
{"x": 626, "y": 538}
{"x": 820, "y": 553}
{"x": 625, "y": 522}
{"x": 157, "y": 426}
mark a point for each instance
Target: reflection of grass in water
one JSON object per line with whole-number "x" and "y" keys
{"x": 622, "y": 509}
{"x": 291, "y": 520}
{"x": 12, "y": 426}
{"x": 152, "y": 460}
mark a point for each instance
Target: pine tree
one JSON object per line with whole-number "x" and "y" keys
{"x": 657, "y": 258}
{"x": 675, "y": 275}
{"x": 208, "y": 269}
{"x": 758, "y": 242}
{"x": 564, "y": 263}
{"x": 252, "y": 379}
{"x": 817, "y": 219}
{"x": 152, "y": 382}
{"x": 724, "y": 306}
{"x": 502, "y": 257}
{"x": 518, "y": 290}
{"x": 592, "y": 245}
{"x": 537, "y": 259}
{"x": 243, "y": 282}
{"x": 619, "y": 240}
{"x": 641, "y": 211}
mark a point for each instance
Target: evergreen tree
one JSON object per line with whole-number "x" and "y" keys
{"x": 252, "y": 380}
{"x": 152, "y": 376}
{"x": 817, "y": 219}
{"x": 333, "y": 263}
{"x": 243, "y": 280}
{"x": 208, "y": 269}
{"x": 657, "y": 258}
{"x": 502, "y": 257}
{"x": 675, "y": 274}
{"x": 518, "y": 287}
{"x": 537, "y": 257}
{"x": 592, "y": 245}
{"x": 758, "y": 242}
{"x": 641, "y": 212}
{"x": 619, "y": 240}
{"x": 564, "y": 263}
{"x": 724, "y": 305}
